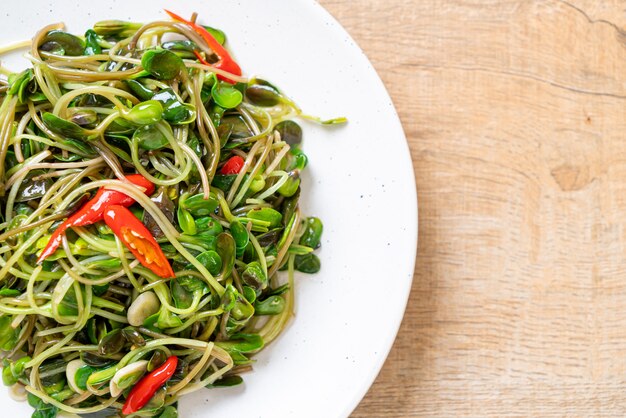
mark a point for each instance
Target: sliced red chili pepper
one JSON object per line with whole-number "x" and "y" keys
{"x": 136, "y": 237}
{"x": 233, "y": 165}
{"x": 92, "y": 211}
{"x": 225, "y": 63}
{"x": 145, "y": 389}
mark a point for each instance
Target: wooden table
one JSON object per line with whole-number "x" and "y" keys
{"x": 515, "y": 112}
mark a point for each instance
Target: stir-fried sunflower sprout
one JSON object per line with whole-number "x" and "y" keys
{"x": 149, "y": 198}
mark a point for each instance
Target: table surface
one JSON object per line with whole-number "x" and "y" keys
{"x": 515, "y": 113}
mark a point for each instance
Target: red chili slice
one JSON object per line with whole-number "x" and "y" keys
{"x": 233, "y": 165}
{"x": 136, "y": 237}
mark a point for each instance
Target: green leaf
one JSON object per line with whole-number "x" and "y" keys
{"x": 112, "y": 343}
{"x": 168, "y": 320}
{"x": 151, "y": 322}
{"x": 50, "y": 412}
{"x": 267, "y": 214}
{"x": 239, "y": 359}
{"x": 162, "y": 64}
{"x": 7, "y": 377}
{"x": 12, "y": 372}
{"x": 133, "y": 336}
{"x": 110, "y": 264}
{"x": 225, "y": 95}
{"x": 22, "y": 209}
{"x": 242, "y": 310}
{"x": 223, "y": 181}
{"x": 157, "y": 358}
{"x": 9, "y": 292}
{"x": 273, "y": 305}
{"x": 229, "y": 298}
{"x": 205, "y": 239}
{"x": 308, "y": 263}
{"x": 194, "y": 144}
{"x": 120, "y": 127}
{"x": 192, "y": 284}
{"x": 63, "y": 395}
{"x": 254, "y": 276}
{"x": 150, "y": 138}
{"x": 226, "y": 381}
{"x": 211, "y": 260}
{"x": 19, "y": 82}
{"x": 216, "y": 113}
{"x": 78, "y": 147}
{"x": 19, "y": 366}
{"x": 236, "y": 130}
{"x": 226, "y": 248}
{"x": 101, "y": 376}
{"x": 145, "y": 113}
{"x": 182, "y": 298}
{"x": 198, "y": 206}
{"x": 169, "y": 412}
{"x": 82, "y": 375}
{"x": 139, "y": 89}
{"x": 290, "y": 132}
{"x": 92, "y": 331}
{"x": 23, "y": 85}
{"x": 312, "y": 235}
{"x": 34, "y": 401}
{"x": 242, "y": 343}
{"x": 249, "y": 293}
{"x": 300, "y": 160}
{"x": 182, "y": 48}
{"x": 8, "y": 335}
{"x": 180, "y": 113}
{"x": 66, "y": 128}
{"x": 290, "y": 187}
{"x": 92, "y": 45}
{"x": 239, "y": 309}
{"x": 99, "y": 290}
{"x": 175, "y": 112}
{"x": 299, "y": 249}
{"x": 240, "y": 234}
{"x": 71, "y": 45}
{"x": 52, "y": 47}
{"x": 115, "y": 27}
{"x": 209, "y": 226}
{"x": 31, "y": 189}
{"x": 186, "y": 221}
{"x": 42, "y": 409}
{"x": 257, "y": 184}
{"x": 84, "y": 117}
{"x": 262, "y": 93}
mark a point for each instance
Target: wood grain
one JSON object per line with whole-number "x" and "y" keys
{"x": 515, "y": 112}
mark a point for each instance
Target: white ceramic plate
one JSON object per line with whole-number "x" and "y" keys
{"x": 359, "y": 182}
